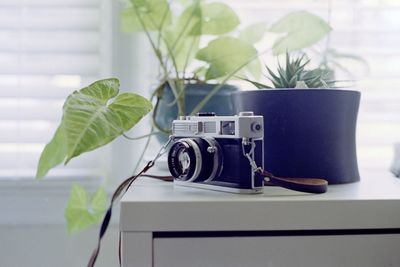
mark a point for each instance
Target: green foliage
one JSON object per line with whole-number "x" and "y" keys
{"x": 302, "y": 29}
{"x": 294, "y": 75}
{"x": 96, "y": 115}
{"x": 175, "y": 40}
{"x": 253, "y": 33}
{"x": 148, "y": 15}
{"x": 53, "y": 154}
{"x": 224, "y": 55}
{"x": 79, "y": 213}
{"x": 92, "y": 117}
{"x": 218, "y": 19}
{"x": 181, "y": 40}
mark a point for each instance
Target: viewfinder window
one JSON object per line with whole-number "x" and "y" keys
{"x": 228, "y": 127}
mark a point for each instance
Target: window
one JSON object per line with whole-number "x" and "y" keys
{"x": 48, "y": 48}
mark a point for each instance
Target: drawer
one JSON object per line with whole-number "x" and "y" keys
{"x": 377, "y": 250}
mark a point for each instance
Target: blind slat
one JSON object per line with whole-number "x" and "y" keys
{"x": 49, "y": 63}
{"x": 41, "y": 86}
{"x": 59, "y": 3}
{"x": 48, "y": 48}
{"x": 55, "y": 18}
{"x": 49, "y": 41}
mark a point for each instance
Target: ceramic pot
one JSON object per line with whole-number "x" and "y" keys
{"x": 220, "y": 103}
{"x": 307, "y": 132}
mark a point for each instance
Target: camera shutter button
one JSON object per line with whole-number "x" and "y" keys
{"x": 246, "y": 113}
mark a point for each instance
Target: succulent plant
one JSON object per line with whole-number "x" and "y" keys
{"x": 294, "y": 75}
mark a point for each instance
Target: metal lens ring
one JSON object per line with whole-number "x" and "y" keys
{"x": 190, "y": 159}
{"x": 184, "y": 160}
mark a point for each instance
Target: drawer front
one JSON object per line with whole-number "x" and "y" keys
{"x": 381, "y": 250}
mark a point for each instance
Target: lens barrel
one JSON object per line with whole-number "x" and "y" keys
{"x": 195, "y": 159}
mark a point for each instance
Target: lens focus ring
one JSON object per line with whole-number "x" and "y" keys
{"x": 185, "y": 160}
{"x": 195, "y": 159}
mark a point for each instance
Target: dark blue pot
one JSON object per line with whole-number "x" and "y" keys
{"x": 308, "y": 132}
{"x": 220, "y": 103}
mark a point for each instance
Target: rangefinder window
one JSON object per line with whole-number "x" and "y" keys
{"x": 227, "y": 127}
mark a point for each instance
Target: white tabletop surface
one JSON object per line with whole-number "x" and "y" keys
{"x": 152, "y": 205}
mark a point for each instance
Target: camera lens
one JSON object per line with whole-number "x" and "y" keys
{"x": 195, "y": 159}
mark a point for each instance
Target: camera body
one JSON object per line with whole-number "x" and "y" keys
{"x": 208, "y": 152}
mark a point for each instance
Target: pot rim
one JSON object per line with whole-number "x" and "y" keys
{"x": 300, "y": 90}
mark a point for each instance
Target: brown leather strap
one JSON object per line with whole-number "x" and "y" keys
{"x": 122, "y": 188}
{"x": 308, "y": 185}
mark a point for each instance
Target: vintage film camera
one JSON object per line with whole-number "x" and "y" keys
{"x": 217, "y": 152}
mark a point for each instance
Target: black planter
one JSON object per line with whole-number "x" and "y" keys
{"x": 220, "y": 103}
{"x": 308, "y": 132}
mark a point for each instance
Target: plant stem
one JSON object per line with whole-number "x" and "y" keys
{"x": 188, "y": 54}
{"x": 203, "y": 102}
{"x": 141, "y": 136}
{"x": 162, "y": 26}
{"x": 181, "y": 33}
{"x": 143, "y": 152}
{"x": 156, "y": 51}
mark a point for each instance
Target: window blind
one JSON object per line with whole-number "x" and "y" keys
{"x": 48, "y": 48}
{"x": 369, "y": 29}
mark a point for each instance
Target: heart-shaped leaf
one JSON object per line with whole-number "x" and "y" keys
{"x": 218, "y": 18}
{"x": 253, "y": 33}
{"x": 53, "y": 154}
{"x": 226, "y": 55}
{"x": 79, "y": 213}
{"x": 150, "y": 15}
{"x": 96, "y": 115}
{"x": 302, "y": 29}
{"x": 211, "y": 18}
{"x": 189, "y": 22}
{"x": 93, "y": 117}
{"x": 182, "y": 39}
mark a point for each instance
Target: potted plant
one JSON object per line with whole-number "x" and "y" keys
{"x": 186, "y": 69}
{"x": 309, "y": 123}
{"x": 95, "y": 115}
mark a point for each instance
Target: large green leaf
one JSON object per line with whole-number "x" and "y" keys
{"x": 253, "y": 33}
{"x": 253, "y": 70}
{"x": 79, "y": 213}
{"x": 226, "y": 55}
{"x": 150, "y": 15}
{"x": 189, "y": 22}
{"x": 201, "y": 18}
{"x": 53, "y": 154}
{"x": 93, "y": 117}
{"x": 96, "y": 115}
{"x": 218, "y": 18}
{"x": 302, "y": 30}
{"x": 184, "y": 51}
{"x": 182, "y": 39}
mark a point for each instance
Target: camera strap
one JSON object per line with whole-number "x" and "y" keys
{"x": 307, "y": 185}
{"x": 119, "y": 192}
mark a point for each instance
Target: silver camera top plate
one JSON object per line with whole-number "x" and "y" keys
{"x": 244, "y": 125}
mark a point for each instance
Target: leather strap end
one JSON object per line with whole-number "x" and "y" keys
{"x": 307, "y": 185}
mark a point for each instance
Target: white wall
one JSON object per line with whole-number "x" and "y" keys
{"x": 33, "y": 229}
{"x": 32, "y": 225}
{"x": 49, "y": 246}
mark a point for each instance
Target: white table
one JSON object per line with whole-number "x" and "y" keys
{"x": 349, "y": 226}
